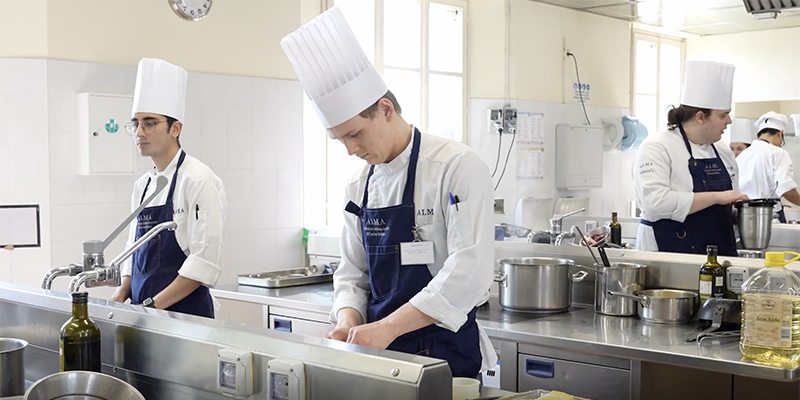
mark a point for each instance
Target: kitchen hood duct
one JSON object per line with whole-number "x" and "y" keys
{"x": 769, "y": 9}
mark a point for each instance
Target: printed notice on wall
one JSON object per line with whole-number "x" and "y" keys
{"x": 530, "y": 146}
{"x": 530, "y": 129}
{"x": 530, "y": 163}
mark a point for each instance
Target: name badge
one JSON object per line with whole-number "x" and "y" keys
{"x": 414, "y": 253}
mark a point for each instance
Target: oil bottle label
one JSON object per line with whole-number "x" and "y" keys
{"x": 768, "y": 320}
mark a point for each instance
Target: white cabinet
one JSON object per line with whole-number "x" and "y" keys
{"x": 579, "y": 156}
{"x": 303, "y": 322}
{"x": 104, "y": 148}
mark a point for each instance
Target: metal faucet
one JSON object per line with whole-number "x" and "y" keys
{"x": 565, "y": 235}
{"x": 93, "y": 257}
{"x": 555, "y": 228}
{"x": 111, "y": 275}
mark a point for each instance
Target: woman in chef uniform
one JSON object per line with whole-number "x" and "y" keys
{"x": 766, "y": 164}
{"x": 685, "y": 184}
{"x": 741, "y": 134}
{"x": 418, "y": 242}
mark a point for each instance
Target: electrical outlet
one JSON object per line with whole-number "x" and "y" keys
{"x": 509, "y": 120}
{"x": 499, "y": 206}
{"x": 494, "y": 117}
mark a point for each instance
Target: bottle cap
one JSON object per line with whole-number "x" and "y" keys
{"x": 80, "y": 297}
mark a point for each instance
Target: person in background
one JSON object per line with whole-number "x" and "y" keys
{"x": 174, "y": 270}
{"x": 766, "y": 167}
{"x": 738, "y": 147}
{"x": 418, "y": 241}
{"x": 684, "y": 183}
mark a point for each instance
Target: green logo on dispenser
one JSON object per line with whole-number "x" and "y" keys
{"x": 111, "y": 126}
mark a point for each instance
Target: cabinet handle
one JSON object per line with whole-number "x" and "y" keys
{"x": 539, "y": 369}
{"x": 283, "y": 325}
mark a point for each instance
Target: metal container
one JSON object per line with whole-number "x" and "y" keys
{"x": 755, "y": 223}
{"x": 622, "y": 278}
{"x": 665, "y": 306}
{"x": 533, "y": 284}
{"x": 82, "y": 385}
{"x": 12, "y": 367}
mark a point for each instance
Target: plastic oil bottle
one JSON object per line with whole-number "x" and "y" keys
{"x": 771, "y": 314}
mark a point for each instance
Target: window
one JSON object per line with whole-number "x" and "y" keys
{"x": 658, "y": 69}
{"x": 419, "y": 47}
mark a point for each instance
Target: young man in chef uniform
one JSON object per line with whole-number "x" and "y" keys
{"x": 418, "y": 244}
{"x": 766, "y": 164}
{"x": 174, "y": 270}
{"x": 685, "y": 181}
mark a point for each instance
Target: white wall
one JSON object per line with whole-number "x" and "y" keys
{"x": 759, "y": 75}
{"x": 539, "y": 71}
{"x": 248, "y": 130}
{"x": 238, "y": 37}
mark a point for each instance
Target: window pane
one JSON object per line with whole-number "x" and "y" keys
{"x": 647, "y": 112}
{"x": 646, "y": 67}
{"x": 360, "y": 14}
{"x": 401, "y": 33}
{"x": 663, "y": 110}
{"x": 446, "y": 38}
{"x": 670, "y": 70}
{"x": 405, "y": 86}
{"x": 446, "y": 109}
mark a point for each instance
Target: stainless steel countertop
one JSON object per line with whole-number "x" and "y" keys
{"x": 579, "y": 330}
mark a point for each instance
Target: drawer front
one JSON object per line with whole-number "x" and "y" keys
{"x": 578, "y": 379}
{"x": 299, "y": 326}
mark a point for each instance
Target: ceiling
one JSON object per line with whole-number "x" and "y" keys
{"x": 696, "y": 17}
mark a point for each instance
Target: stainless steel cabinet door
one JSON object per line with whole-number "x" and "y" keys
{"x": 578, "y": 379}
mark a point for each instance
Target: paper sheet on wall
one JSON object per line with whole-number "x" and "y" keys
{"x": 530, "y": 129}
{"x": 530, "y": 146}
{"x": 530, "y": 163}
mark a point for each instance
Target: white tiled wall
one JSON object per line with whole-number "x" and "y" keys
{"x": 248, "y": 130}
{"x": 617, "y": 187}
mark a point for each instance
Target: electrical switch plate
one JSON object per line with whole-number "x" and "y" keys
{"x": 286, "y": 379}
{"x": 736, "y": 277}
{"x": 235, "y": 372}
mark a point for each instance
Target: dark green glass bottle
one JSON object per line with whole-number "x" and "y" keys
{"x": 616, "y": 230}
{"x": 79, "y": 346}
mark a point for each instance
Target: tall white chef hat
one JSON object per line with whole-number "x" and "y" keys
{"x": 160, "y": 89}
{"x": 772, "y": 120}
{"x": 708, "y": 84}
{"x": 332, "y": 68}
{"x": 741, "y": 131}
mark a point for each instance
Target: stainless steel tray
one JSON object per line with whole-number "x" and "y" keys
{"x": 285, "y": 278}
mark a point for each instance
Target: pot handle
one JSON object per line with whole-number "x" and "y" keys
{"x": 579, "y": 276}
{"x": 501, "y": 278}
{"x": 643, "y": 301}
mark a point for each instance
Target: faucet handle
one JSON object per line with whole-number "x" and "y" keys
{"x": 106, "y": 276}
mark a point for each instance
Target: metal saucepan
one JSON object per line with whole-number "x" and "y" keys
{"x": 82, "y": 385}
{"x": 664, "y": 306}
{"x": 535, "y": 284}
{"x": 12, "y": 367}
{"x": 619, "y": 277}
{"x": 755, "y": 222}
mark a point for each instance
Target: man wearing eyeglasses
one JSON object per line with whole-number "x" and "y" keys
{"x": 174, "y": 270}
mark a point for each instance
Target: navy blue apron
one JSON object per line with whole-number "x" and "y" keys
{"x": 714, "y": 225}
{"x": 392, "y": 285}
{"x": 781, "y": 214}
{"x": 156, "y": 264}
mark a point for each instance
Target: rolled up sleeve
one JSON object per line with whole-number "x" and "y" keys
{"x": 464, "y": 280}
{"x": 206, "y": 216}
{"x": 652, "y": 179}
{"x": 351, "y": 279}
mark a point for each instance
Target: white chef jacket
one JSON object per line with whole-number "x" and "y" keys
{"x": 463, "y": 240}
{"x": 663, "y": 184}
{"x": 199, "y": 233}
{"x": 762, "y": 164}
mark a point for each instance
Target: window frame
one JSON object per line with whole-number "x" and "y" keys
{"x": 658, "y": 39}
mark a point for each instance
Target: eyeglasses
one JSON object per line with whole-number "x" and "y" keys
{"x": 149, "y": 126}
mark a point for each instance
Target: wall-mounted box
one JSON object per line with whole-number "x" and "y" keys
{"x": 104, "y": 148}
{"x": 579, "y": 156}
